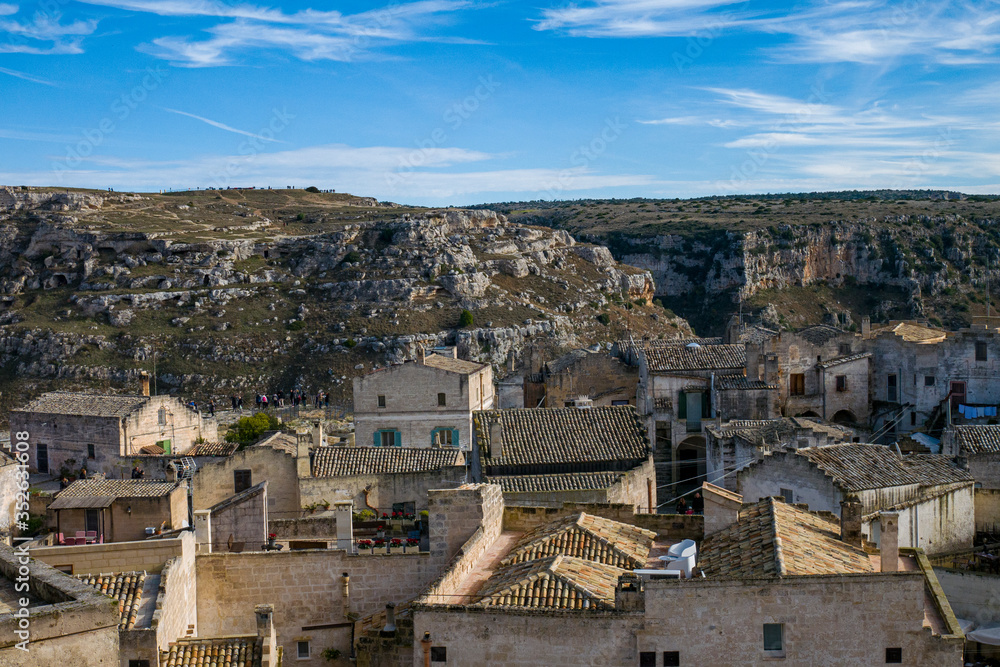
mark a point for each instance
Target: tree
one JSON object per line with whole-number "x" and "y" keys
{"x": 313, "y": 189}
{"x": 247, "y": 430}
{"x": 465, "y": 319}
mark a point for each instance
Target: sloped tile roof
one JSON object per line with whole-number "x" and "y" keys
{"x": 857, "y": 466}
{"x": 87, "y": 405}
{"x": 453, "y": 365}
{"x": 117, "y": 488}
{"x": 772, "y": 539}
{"x": 562, "y": 435}
{"x": 740, "y": 383}
{"x": 126, "y": 587}
{"x": 241, "y": 651}
{"x": 219, "y": 448}
{"x": 588, "y": 537}
{"x": 978, "y": 439}
{"x": 695, "y": 357}
{"x": 820, "y": 334}
{"x": 633, "y": 347}
{"x": 344, "y": 461}
{"x": 559, "y": 582}
{"x": 913, "y": 333}
{"x": 844, "y": 360}
{"x": 152, "y": 450}
{"x": 757, "y": 334}
{"x": 285, "y": 442}
{"x": 571, "y": 481}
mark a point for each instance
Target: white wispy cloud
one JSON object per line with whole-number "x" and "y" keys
{"x": 950, "y": 32}
{"x": 223, "y": 126}
{"x": 42, "y": 34}
{"x": 308, "y": 34}
{"x": 7, "y": 9}
{"x": 26, "y": 77}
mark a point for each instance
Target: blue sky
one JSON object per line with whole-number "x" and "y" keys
{"x": 442, "y": 102}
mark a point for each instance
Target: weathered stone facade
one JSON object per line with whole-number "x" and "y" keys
{"x": 214, "y": 482}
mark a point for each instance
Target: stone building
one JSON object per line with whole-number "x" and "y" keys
{"x": 66, "y": 622}
{"x": 381, "y": 478}
{"x": 427, "y": 403}
{"x": 732, "y": 446}
{"x": 550, "y": 455}
{"x": 119, "y": 510}
{"x": 598, "y": 376}
{"x": 977, "y": 449}
{"x": 10, "y": 487}
{"x": 102, "y": 433}
{"x": 237, "y": 523}
{"x": 933, "y": 498}
{"x": 780, "y": 583}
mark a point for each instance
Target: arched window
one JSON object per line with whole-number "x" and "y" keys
{"x": 161, "y": 416}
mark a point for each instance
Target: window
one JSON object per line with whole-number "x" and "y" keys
{"x": 819, "y": 358}
{"x": 893, "y": 656}
{"x": 388, "y": 438}
{"x": 161, "y": 416}
{"x": 445, "y": 437}
{"x": 647, "y": 659}
{"x": 381, "y": 401}
{"x": 671, "y": 659}
{"x": 890, "y": 388}
{"x": 797, "y": 384}
{"x": 841, "y": 383}
{"x": 92, "y": 520}
{"x": 91, "y": 454}
{"x": 844, "y": 349}
{"x": 442, "y": 400}
{"x": 302, "y": 650}
{"x": 65, "y": 569}
{"x": 622, "y": 402}
{"x": 928, "y": 380}
{"x": 242, "y": 480}
{"x": 913, "y": 418}
{"x": 774, "y": 637}
{"x": 42, "y": 457}
{"x": 138, "y": 663}
{"x": 981, "y": 350}
{"x": 439, "y": 654}
{"x": 788, "y": 495}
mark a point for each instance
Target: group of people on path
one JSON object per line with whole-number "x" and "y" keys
{"x": 277, "y": 400}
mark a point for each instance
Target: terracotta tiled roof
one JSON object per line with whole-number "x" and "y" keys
{"x": 89, "y": 405}
{"x": 978, "y": 439}
{"x": 633, "y": 347}
{"x": 285, "y": 442}
{"x": 152, "y": 450}
{"x": 220, "y": 448}
{"x": 844, "y": 360}
{"x": 453, "y": 365}
{"x": 586, "y": 536}
{"x": 695, "y": 357}
{"x": 740, "y": 383}
{"x": 344, "y": 461}
{"x": 118, "y": 488}
{"x": 772, "y": 539}
{"x": 856, "y": 467}
{"x": 820, "y": 334}
{"x": 757, "y": 334}
{"x": 559, "y": 582}
{"x": 571, "y": 481}
{"x": 562, "y": 435}
{"x": 241, "y": 651}
{"x": 126, "y": 587}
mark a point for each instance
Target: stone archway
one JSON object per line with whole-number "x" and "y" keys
{"x": 844, "y": 417}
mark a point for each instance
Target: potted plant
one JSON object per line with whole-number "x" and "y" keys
{"x": 271, "y": 537}
{"x": 379, "y": 543}
{"x": 395, "y": 543}
{"x": 411, "y": 542}
{"x": 366, "y": 544}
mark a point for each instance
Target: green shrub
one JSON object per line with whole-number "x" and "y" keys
{"x": 313, "y": 189}
{"x": 247, "y": 430}
{"x": 604, "y": 319}
{"x": 297, "y": 325}
{"x": 300, "y": 217}
{"x": 465, "y": 319}
{"x": 350, "y": 342}
{"x": 353, "y": 257}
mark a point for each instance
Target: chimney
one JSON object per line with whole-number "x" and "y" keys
{"x": 144, "y": 382}
{"x": 203, "y": 531}
{"x": 496, "y": 439}
{"x": 265, "y": 631}
{"x": 303, "y": 464}
{"x": 850, "y": 521}
{"x": 753, "y": 361}
{"x": 629, "y": 593}
{"x": 171, "y": 472}
{"x": 420, "y": 354}
{"x": 317, "y": 433}
{"x": 866, "y": 327}
{"x": 345, "y": 593}
{"x": 390, "y": 621}
{"x": 889, "y": 541}
{"x": 345, "y": 529}
{"x": 425, "y": 643}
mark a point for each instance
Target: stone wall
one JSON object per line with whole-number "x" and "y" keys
{"x": 9, "y": 489}
{"x": 987, "y": 509}
{"x": 973, "y": 596}
{"x": 305, "y": 527}
{"x": 666, "y": 526}
{"x": 70, "y": 623}
{"x": 941, "y": 523}
{"x": 599, "y": 376}
{"x": 455, "y": 514}
{"x": 242, "y": 519}
{"x": 148, "y": 555}
{"x": 126, "y": 519}
{"x": 215, "y": 481}
{"x": 985, "y": 468}
{"x": 177, "y": 597}
{"x": 380, "y": 491}
{"x": 633, "y": 489}
{"x": 836, "y": 404}
{"x": 66, "y": 438}
{"x": 181, "y": 425}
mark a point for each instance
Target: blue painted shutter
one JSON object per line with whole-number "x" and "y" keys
{"x": 454, "y": 437}
{"x": 399, "y": 439}
{"x": 378, "y": 438}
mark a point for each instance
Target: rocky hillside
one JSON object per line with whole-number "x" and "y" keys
{"x": 266, "y": 290}
{"x": 809, "y": 257}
